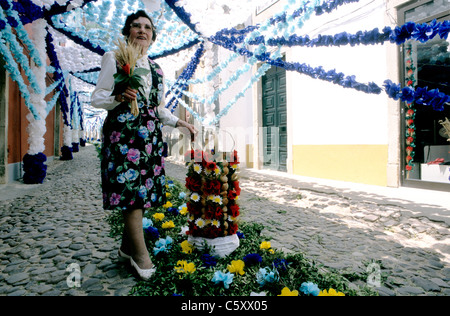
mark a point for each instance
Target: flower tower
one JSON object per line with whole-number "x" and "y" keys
{"x": 213, "y": 207}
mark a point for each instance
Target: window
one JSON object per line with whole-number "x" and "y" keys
{"x": 426, "y": 151}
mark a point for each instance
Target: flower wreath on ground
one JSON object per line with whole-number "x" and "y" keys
{"x": 213, "y": 199}
{"x": 254, "y": 268}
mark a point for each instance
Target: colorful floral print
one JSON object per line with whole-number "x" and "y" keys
{"x": 132, "y": 165}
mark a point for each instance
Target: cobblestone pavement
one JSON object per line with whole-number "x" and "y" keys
{"x": 47, "y": 231}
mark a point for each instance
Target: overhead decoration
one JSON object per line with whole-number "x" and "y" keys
{"x": 88, "y": 28}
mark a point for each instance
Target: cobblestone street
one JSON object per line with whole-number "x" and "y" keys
{"x": 46, "y": 228}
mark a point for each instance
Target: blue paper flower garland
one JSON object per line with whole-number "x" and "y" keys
{"x": 420, "y": 32}
{"x": 421, "y": 96}
{"x": 186, "y": 75}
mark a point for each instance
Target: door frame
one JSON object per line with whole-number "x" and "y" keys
{"x": 404, "y": 181}
{"x": 258, "y": 119}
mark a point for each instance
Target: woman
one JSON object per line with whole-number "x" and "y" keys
{"x": 132, "y": 165}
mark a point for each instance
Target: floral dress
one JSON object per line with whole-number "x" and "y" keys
{"x": 132, "y": 164}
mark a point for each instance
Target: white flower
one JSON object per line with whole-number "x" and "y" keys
{"x": 195, "y": 197}
{"x": 200, "y": 222}
{"x": 217, "y": 199}
{"x": 197, "y": 168}
{"x": 216, "y": 223}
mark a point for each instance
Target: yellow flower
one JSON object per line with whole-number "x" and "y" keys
{"x": 185, "y": 267}
{"x": 167, "y": 205}
{"x": 265, "y": 245}
{"x": 331, "y": 292}
{"x": 237, "y": 266}
{"x": 158, "y": 216}
{"x": 187, "y": 247}
{"x": 184, "y": 210}
{"x": 168, "y": 225}
{"x": 287, "y": 292}
{"x": 168, "y": 194}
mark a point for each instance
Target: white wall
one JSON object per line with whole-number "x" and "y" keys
{"x": 324, "y": 113}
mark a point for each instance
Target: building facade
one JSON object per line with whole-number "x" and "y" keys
{"x": 293, "y": 123}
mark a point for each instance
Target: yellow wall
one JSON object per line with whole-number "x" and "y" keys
{"x": 353, "y": 163}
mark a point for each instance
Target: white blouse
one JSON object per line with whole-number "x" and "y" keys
{"x": 102, "y": 97}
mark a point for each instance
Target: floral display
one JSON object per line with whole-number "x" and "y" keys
{"x": 410, "y": 114}
{"x": 213, "y": 195}
{"x": 255, "y": 268}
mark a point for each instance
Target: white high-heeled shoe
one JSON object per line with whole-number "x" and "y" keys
{"x": 145, "y": 274}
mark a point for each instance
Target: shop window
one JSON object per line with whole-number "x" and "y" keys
{"x": 426, "y": 150}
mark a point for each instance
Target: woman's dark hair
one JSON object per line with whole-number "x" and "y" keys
{"x": 134, "y": 16}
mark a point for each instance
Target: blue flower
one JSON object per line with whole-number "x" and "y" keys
{"x": 143, "y": 192}
{"x": 424, "y": 32}
{"x": 143, "y": 132}
{"x": 266, "y": 275}
{"x": 131, "y": 175}
{"x": 121, "y": 178}
{"x": 173, "y": 210}
{"x": 163, "y": 245}
{"x": 252, "y": 259}
{"x": 280, "y": 264}
{"x": 407, "y": 94}
{"x": 402, "y": 33}
{"x": 122, "y": 118}
{"x": 444, "y": 29}
{"x": 240, "y": 235}
{"x": 208, "y": 260}
{"x": 146, "y": 223}
{"x": 308, "y": 288}
{"x": 392, "y": 89}
{"x": 152, "y": 232}
{"x": 226, "y": 278}
{"x": 124, "y": 149}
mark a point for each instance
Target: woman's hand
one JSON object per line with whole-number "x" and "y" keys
{"x": 187, "y": 128}
{"x": 129, "y": 95}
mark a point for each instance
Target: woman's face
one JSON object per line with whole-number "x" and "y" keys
{"x": 141, "y": 32}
